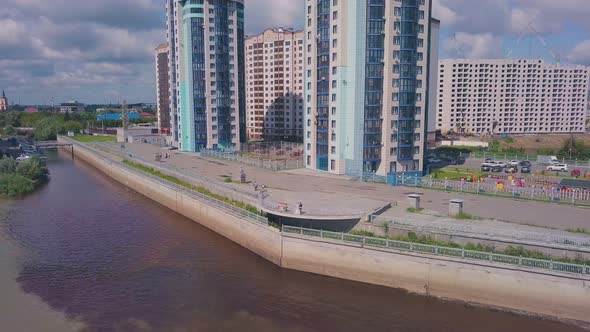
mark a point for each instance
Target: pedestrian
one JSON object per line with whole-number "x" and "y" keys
{"x": 255, "y": 186}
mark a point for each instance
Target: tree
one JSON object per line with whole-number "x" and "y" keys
{"x": 67, "y": 117}
{"x": 32, "y": 169}
{"x": 10, "y": 119}
{"x": 48, "y": 128}
{"x": 31, "y": 119}
{"x": 73, "y": 126}
{"x": 574, "y": 149}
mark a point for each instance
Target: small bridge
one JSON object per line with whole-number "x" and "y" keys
{"x": 51, "y": 144}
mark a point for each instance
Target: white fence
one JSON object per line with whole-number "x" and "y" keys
{"x": 574, "y": 196}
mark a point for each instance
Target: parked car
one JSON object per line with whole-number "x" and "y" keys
{"x": 513, "y": 163}
{"x": 497, "y": 169}
{"x": 486, "y": 168}
{"x": 525, "y": 169}
{"x": 460, "y": 160}
{"x": 576, "y": 172}
{"x": 557, "y": 167}
{"x": 495, "y": 164}
{"x": 525, "y": 163}
{"x": 511, "y": 169}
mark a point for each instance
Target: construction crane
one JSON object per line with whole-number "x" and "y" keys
{"x": 532, "y": 33}
{"x": 556, "y": 57}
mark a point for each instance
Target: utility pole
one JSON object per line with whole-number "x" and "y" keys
{"x": 125, "y": 119}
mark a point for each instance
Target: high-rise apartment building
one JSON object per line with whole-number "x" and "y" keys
{"x": 511, "y": 96}
{"x": 366, "y": 78}
{"x": 206, "y": 39}
{"x": 274, "y": 85}
{"x": 162, "y": 89}
{"x": 172, "y": 7}
{"x": 432, "y": 83}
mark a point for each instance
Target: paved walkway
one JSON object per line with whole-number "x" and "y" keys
{"x": 430, "y": 221}
{"x": 326, "y": 194}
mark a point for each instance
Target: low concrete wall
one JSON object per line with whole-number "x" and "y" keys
{"x": 564, "y": 296}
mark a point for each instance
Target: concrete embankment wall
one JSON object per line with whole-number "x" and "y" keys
{"x": 518, "y": 290}
{"x": 262, "y": 240}
{"x": 502, "y": 286}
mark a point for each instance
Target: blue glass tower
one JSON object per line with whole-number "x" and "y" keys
{"x": 210, "y": 53}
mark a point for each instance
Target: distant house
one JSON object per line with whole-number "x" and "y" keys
{"x": 71, "y": 107}
{"x": 141, "y": 135}
{"x": 116, "y": 116}
{"x": 147, "y": 115}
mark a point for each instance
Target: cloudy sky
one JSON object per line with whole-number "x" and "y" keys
{"x": 101, "y": 51}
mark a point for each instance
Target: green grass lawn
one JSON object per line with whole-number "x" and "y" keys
{"x": 455, "y": 173}
{"x": 92, "y": 138}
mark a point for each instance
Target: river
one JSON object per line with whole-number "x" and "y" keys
{"x": 86, "y": 253}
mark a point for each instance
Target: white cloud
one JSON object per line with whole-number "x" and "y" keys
{"x": 580, "y": 53}
{"x": 467, "y": 45}
{"x": 263, "y": 14}
{"x": 443, "y": 13}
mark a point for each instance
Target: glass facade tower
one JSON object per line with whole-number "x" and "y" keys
{"x": 366, "y": 79}
{"x": 209, "y": 57}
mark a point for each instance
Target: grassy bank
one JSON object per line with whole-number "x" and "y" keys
{"x": 18, "y": 179}
{"x": 509, "y": 251}
{"x": 456, "y": 173}
{"x": 93, "y": 138}
{"x": 201, "y": 190}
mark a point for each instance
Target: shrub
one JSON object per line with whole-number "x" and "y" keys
{"x": 15, "y": 185}
{"x": 32, "y": 169}
{"x": 7, "y": 165}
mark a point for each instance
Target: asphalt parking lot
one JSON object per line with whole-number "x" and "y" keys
{"x": 475, "y": 164}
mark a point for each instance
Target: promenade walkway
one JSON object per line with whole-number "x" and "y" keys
{"x": 325, "y": 194}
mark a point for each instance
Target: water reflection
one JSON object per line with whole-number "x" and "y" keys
{"x": 114, "y": 260}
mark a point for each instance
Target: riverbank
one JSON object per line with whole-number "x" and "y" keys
{"x": 560, "y": 295}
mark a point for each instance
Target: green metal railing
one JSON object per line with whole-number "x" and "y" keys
{"x": 373, "y": 242}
